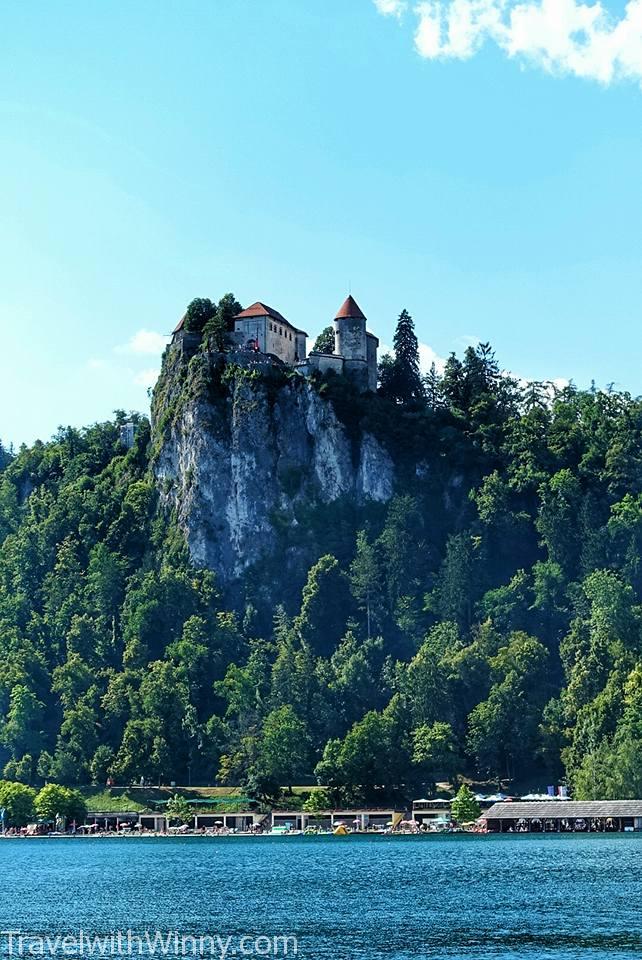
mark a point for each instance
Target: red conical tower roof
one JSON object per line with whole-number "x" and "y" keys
{"x": 350, "y": 309}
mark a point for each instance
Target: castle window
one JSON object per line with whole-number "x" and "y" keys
{"x": 280, "y": 332}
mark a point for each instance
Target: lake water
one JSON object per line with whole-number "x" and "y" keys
{"x": 357, "y": 898}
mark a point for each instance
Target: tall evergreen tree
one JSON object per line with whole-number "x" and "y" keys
{"x": 400, "y": 379}
{"x": 409, "y": 385}
{"x": 432, "y": 387}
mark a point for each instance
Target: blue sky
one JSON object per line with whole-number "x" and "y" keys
{"x": 478, "y": 163}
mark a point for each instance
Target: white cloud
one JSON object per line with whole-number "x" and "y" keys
{"x": 145, "y": 341}
{"x": 391, "y": 8}
{"x": 580, "y": 38}
{"x": 146, "y": 378}
{"x": 427, "y": 356}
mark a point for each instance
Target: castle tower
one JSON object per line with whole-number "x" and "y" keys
{"x": 357, "y": 347}
{"x": 350, "y": 331}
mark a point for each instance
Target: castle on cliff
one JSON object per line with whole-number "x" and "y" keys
{"x": 263, "y": 331}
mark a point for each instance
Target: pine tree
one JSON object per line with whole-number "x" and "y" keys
{"x": 365, "y": 582}
{"x": 432, "y": 387}
{"x": 408, "y": 379}
{"x": 400, "y": 379}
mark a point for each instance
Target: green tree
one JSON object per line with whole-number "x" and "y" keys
{"x": 325, "y": 605}
{"x": 179, "y": 809}
{"x": 324, "y": 343}
{"x": 434, "y": 751}
{"x": 284, "y": 749}
{"x": 409, "y": 386}
{"x": 101, "y": 763}
{"x": 464, "y": 807}
{"x": 22, "y": 730}
{"x": 317, "y": 801}
{"x": 371, "y": 758}
{"x": 400, "y": 378}
{"x": 17, "y": 800}
{"x": 504, "y": 728}
{"x": 365, "y": 583}
{"x": 56, "y": 801}
{"x": 199, "y": 312}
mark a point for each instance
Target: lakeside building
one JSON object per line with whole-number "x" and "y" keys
{"x": 564, "y": 816}
{"x": 108, "y": 820}
{"x": 438, "y": 810}
{"x": 246, "y": 821}
{"x": 362, "y": 818}
{"x": 431, "y": 811}
{"x": 242, "y": 821}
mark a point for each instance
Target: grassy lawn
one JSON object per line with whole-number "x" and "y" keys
{"x": 136, "y": 799}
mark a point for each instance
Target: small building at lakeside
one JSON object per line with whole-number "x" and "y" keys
{"x": 427, "y": 811}
{"x": 109, "y": 820}
{"x": 564, "y": 816}
{"x": 360, "y": 818}
{"x": 437, "y": 810}
{"x": 243, "y": 821}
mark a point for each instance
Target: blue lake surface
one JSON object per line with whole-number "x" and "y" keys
{"x": 358, "y": 898}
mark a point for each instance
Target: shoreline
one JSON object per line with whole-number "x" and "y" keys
{"x": 360, "y": 835}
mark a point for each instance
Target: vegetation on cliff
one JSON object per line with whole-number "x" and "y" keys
{"x": 485, "y": 622}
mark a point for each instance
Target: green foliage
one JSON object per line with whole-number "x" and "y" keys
{"x": 484, "y": 621}
{"x": 435, "y": 751}
{"x": 17, "y": 800}
{"x": 179, "y": 809}
{"x": 221, "y": 321}
{"x": 325, "y": 605}
{"x": 200, "y": 311}
{"x": 464, "y": 807}
{"x": 370, "y": 759}
{"x": 317, "y": 801}
{"x": 284, "y": 747}
{"x": 324, "y": 343}
{"x": 399, "y": 376}
{"x": 54, "y": 801}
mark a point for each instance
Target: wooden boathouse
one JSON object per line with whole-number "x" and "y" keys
{"x": 564, "y": 816}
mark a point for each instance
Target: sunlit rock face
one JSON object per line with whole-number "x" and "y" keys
{"x": 238, "y": 464}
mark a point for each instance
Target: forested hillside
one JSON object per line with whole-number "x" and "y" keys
{"x": 484, "y": 621}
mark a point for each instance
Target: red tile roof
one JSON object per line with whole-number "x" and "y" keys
{"x": 180, "y": 324}
{"x": 350, "y": 309}
{"x": 259, "y": 309}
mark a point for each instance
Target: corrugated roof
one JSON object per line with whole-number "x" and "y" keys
{"x": 350, "y": 308}
{"x": 564, "y": 809}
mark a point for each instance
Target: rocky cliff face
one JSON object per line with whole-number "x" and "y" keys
{"x": 240, "y": 453}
